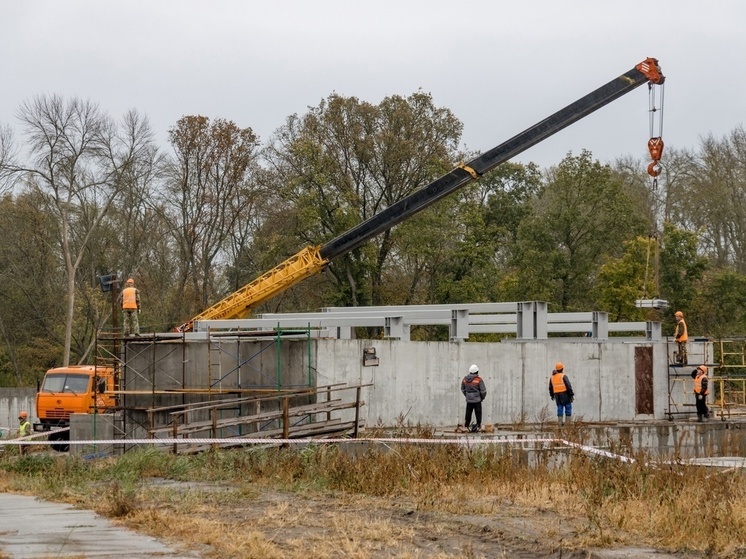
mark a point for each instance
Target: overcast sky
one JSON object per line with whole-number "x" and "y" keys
{"x": 499, "y": 66}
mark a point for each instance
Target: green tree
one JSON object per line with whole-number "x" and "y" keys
{"x": 582, "y": 216}
{"x": 31, "y": 276}
{"x": 720, "y": 305}
{"x": 682, "y": 268}
{"x": 345, "y": 161}
{"x": 625, "y": 279}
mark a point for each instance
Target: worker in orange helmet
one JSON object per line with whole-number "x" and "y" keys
{"x": 560, "y": 390}
{"x": 701, "y": 391}
{"x": 130, "y": 300}
{"x": 681, "y": 336}
{"x": 25, "y": 429}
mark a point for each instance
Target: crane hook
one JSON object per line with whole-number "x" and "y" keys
{"x": 655, "y": 147}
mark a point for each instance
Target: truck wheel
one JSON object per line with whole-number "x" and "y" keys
{"x": 65, "y": 436}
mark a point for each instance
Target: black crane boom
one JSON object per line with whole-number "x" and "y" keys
{"x": 311, "y": 260}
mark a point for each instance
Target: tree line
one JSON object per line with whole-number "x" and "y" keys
{"x": 86, "y": 195}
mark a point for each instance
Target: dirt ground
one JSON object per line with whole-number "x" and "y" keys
{"x": 346, "y": 526}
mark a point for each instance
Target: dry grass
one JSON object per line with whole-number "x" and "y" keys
{"x": 399, "y": 500}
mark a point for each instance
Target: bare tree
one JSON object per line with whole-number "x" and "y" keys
{"x": 205, "y": 195}
{"x": 715, "y": 199}
{"x": 75, "y": 162}
{"x": 7, "y": 155}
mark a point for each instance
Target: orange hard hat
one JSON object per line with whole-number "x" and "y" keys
{"x": 22, "y": 415}
{"x": 558, "y": 366}
{"x": 679, "y": 314}
{"x": 130, "y": 281}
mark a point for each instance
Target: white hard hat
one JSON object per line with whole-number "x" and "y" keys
{"x": 473, "y": 369}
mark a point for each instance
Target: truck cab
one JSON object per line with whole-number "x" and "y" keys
{"x": 73, "y": 389}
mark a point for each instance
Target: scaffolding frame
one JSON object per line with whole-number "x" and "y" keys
{"x": 729, "y": 378}
{"x": 118, "y": 352}
{"x": 680, "y": 382}
{"x": 726, "y": 358}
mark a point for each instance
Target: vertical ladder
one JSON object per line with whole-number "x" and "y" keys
{"x": 729, "y": 378}
{"x": 680, "y": 383}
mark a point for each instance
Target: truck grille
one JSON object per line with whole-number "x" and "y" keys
{"x": 58, "y": 414}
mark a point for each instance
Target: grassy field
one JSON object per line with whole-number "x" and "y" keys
{"x": 400, "y": 500}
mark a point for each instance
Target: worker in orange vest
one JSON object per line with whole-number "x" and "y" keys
{"x": 681, "y": 336}
{"x": 701, "y": 391}
{"x": 130, "y": 299}
{"x": 560, "y": 390}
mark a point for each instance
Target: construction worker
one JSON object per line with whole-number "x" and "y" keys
{"x": 681, "y": 336}
{"x": 130, "y": 299}
{"x": 701, "y": 391}
{"x": 25, "y": 429}
{"x": 472, "y": 387}
{"x": 560, "y": 390}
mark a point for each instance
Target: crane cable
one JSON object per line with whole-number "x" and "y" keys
{"x": 655, "y": 143}
{"x": 655, "y": 147}
{"x": 653, "y": 242}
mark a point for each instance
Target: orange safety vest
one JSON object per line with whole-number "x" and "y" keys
{"x": 683, "y": 335}
{"x": 698, "y": 385}
{"x": 129, "y": 298}
{"x": 558, "y": 383}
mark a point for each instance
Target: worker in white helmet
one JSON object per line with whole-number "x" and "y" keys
{"x": 472, "y": 387}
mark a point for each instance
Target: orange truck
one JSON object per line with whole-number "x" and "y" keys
{"x": 73, "y": 389}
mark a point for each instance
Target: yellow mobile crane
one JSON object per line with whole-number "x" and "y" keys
{"x": 313, "y": 259}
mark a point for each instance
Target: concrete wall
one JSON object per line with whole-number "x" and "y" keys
{"x": 414, "y": 382}
{"x": 669, "y": 440}
{"x": 419, "y": 382}
{"x": 220, "y": 363}
{"x": 242, "y": 366}
{"x": 92, "y": 427}
{"x": 12, "y": 401}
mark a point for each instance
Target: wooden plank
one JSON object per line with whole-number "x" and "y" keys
{"x": 334, "y": 428}
{"x": 323, "y": 407}
{"x": 248, "y": 420}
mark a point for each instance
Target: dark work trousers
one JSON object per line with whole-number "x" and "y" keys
{"x": 477, "y": 408}
{"x": 701, "y": 406}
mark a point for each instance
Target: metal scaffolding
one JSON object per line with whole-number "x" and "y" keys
{"x": 159, "y": 372}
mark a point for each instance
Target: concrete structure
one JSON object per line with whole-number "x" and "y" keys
{"x": 420, "y": 382}
{"x": 526, "y": 320}
{"x": 415, "y": 382}
{"x": 12, "y": 401}
{"x": 616, "y": 378}
{"x": 92, "y": 427}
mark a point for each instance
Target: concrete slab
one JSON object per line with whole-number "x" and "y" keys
{"x": 734, "y": 462}
{"x": 34, "y": 529}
